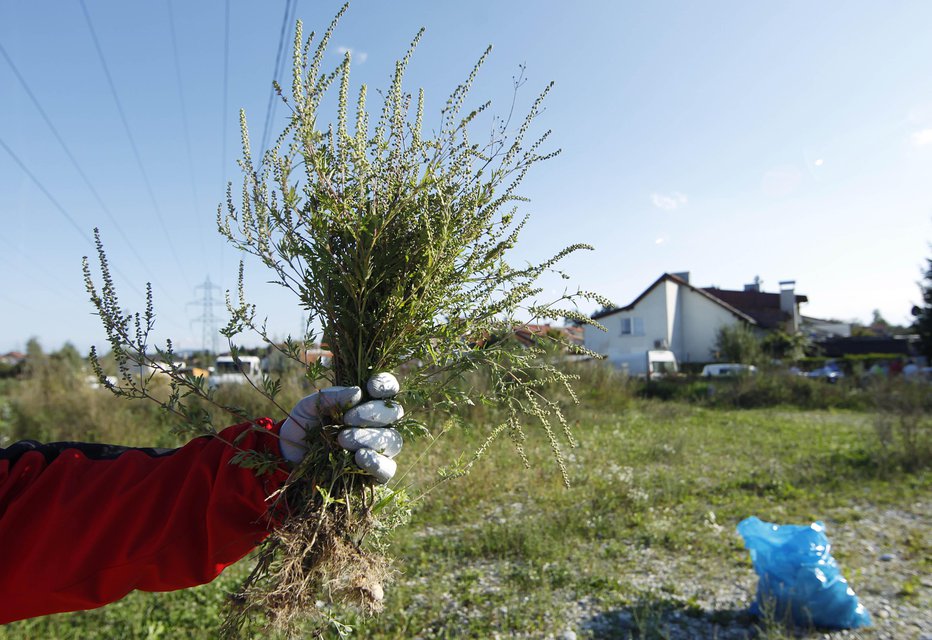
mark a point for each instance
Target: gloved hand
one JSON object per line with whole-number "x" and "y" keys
{"x": 366, "y": 426}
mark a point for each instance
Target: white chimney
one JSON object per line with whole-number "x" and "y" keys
{"x": 788, "y": 303}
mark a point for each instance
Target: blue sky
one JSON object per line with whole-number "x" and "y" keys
{"x": 787, "y": 140}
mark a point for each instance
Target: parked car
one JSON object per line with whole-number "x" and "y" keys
{"x": 720, "y": 369}
{"x": 830, "y": 373}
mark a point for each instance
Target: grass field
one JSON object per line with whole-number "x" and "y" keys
{"x": 642, "y": 545}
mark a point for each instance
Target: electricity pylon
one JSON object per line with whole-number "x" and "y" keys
{"x": 208, "y": 319}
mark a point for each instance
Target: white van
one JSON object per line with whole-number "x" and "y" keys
{"x": 661, "y": 363}
{"x": 656, "y": 363}
{"x": 229, "y": 370}
{"x": 727, "y": 369}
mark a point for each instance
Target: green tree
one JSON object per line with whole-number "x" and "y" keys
{"x": 786, "y": 346}
{"x": 37, "y": 362}
{"x": 738, "y": 343}
{"x": 923, "y": 314}
{"x": 70, "y": 357}
{"x": 57, "y": 370}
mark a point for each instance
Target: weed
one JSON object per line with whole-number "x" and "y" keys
{"x": 903, "y": 423}
{"x": 462, "y": 574}
{"x": 910, "y": 587}
{"x": 397, "y": 243}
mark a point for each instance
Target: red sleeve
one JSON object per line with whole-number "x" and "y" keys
{"x": 83, "y": 525}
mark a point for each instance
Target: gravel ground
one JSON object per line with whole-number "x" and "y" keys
{"x": 881, "y": 552}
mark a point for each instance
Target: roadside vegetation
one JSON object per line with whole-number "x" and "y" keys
{"x": 642, "y": 545}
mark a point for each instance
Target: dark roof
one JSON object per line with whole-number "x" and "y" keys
{"x": 763, "y": 307}
{"x": 704, "y": 293}
{"x": 838, "y": 347}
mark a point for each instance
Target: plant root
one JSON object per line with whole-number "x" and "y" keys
{"x": 310, "y": 569}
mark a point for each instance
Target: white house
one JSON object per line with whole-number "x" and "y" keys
{"x": 672, "y": 314}
{"x": 819, "y": 329}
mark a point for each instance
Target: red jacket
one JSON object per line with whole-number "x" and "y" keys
{"x": 82, "y": 525}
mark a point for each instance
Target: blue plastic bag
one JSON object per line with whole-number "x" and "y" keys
{"x": 798, "y": 577}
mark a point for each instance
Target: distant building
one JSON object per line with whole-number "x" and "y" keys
{"x": 770, "y": 311}
{"x": 12, "y": 358}
{"x": 818, "y": 329}
{"x": 672, "y": 314}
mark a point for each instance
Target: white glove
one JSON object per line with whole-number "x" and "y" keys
{"x": 367, "y": 429}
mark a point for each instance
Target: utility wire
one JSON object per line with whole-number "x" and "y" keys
{"x": 290, "y": 7}
{"x": 50, "y": 281}
{"x": 132, "y": 141}
{"x": 184, "y": 122}
{"x": 226, "y": 79}
{"x": 75, "y": 163}
{"x": 60, "y": 208}
{"x": 42, "y": 188}
{"x": 223, "y": 115}
{"x": 16, "y": 303}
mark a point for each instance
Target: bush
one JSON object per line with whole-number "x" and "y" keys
{"x": 903, "y": 423}
{"x": 766, "y": 389}
{"x": 675, "y": 389}
{"x": 10, "y": 370}
{"x": 601, "y": 382}
{"x": 58, "y": 405}
{"x": 777, "y": 388}
{"x": 54, "y": 402}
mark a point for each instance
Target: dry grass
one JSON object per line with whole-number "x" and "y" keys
{"x": 312, "y": 564}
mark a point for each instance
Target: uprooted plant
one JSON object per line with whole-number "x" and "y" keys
{"x": 395, "y": 243}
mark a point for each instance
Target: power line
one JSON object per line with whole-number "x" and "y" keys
{"x": 74, "y": 162}
{"x": 60, "y": 208}
{"x": 223, "y": 115}
{"x": 226, "y": 78}
{"x": 66, "y": 215}
{"x": 48, "y": 195}
{"x": 184, "y": 120}
{"x": 208, "y": 320}
{"x": 35, "y": 268}
{"x": 132, "y": 141}
{"x": 290, "y": 7}
{"x": 16, "y": 303}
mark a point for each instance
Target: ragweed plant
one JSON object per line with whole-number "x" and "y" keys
{"x": 394, "y": 241}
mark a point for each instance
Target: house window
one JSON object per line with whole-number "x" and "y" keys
{"x": 632, "y": 326}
